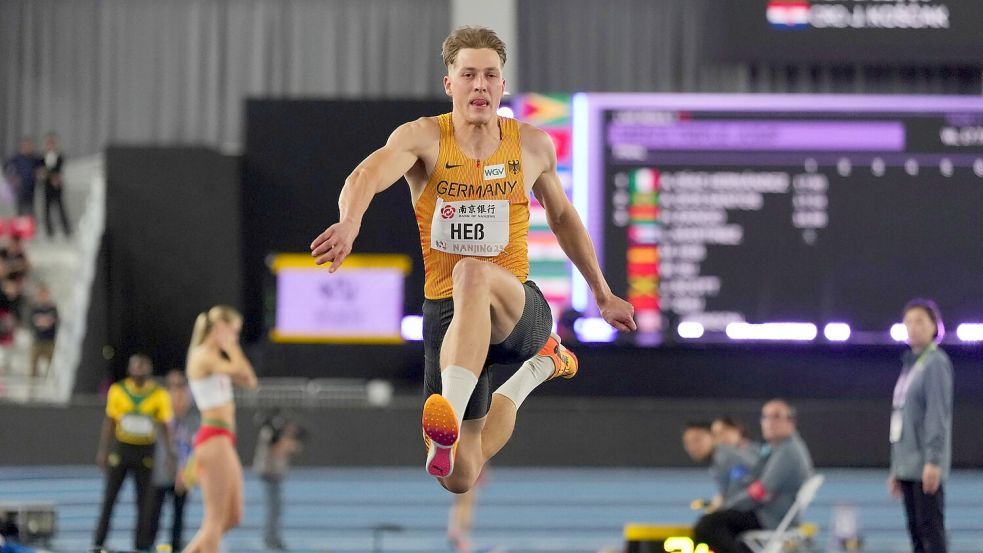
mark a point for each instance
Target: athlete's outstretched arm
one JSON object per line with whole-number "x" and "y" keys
{"x": 376, "y": 173}
{"x": 573, "y": 237}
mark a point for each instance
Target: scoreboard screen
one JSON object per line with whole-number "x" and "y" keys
{"x": 360, "y": 303}
{"x": 784, "y": 217}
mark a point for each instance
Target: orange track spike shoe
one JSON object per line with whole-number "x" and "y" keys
{"x": 565, "y": 363}
{"x": 441, "y": 431}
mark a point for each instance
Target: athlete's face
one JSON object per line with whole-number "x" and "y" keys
{"x": 475, "y": 83}
{"x": 227, "y": 331}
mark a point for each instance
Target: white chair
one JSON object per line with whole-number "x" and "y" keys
{"x": 772, "y": 541}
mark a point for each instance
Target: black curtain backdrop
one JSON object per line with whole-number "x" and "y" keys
{"x": 172, "y": 249}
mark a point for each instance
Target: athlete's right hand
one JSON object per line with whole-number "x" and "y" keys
{"x": 102, "y": 460}
{"x": 226, "y": 336}
{"x": 334, "y": 244}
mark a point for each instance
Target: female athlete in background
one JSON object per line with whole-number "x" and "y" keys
{"x": 215, "y": 364}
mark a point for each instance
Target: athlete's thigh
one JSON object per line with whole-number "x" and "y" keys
{"x": 529, "y": 334}
{"x": 508, "y": 298}
{"x": 216, "y": 479}
{"x": 236, "y": 504}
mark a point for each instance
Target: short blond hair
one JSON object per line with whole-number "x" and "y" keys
{"x": 471, "y": 37}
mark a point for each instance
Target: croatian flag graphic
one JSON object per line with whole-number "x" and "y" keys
{"x": 792, "y": 14}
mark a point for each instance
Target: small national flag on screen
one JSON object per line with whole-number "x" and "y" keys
{"x": 792, "y": 14}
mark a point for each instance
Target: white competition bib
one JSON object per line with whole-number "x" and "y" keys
{"x": 138, "y": 426}
{"x": 470, "y": 227}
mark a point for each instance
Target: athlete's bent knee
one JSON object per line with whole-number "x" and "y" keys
{"x": 469, "y": 273}
{"x": 461, "y": 480}
{"x": 457, "y": 485}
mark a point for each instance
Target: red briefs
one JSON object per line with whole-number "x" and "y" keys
{"x": 206, "y": 432}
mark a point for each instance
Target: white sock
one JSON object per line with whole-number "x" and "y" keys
{"x": 457, "y": 385}
{"x": 532, "y": 373}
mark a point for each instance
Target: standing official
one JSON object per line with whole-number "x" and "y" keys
{"x": 921, "y": 428}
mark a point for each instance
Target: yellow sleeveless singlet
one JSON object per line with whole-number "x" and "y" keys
{"x": 473, "y": 208}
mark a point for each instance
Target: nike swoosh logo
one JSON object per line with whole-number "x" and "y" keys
{"x": 449, "y": 166}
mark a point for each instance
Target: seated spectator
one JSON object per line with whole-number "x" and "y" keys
{"x": 44, "y": 324}
{"x": 728, "y": 465}
{"x": 9, "y": 319}
{"x": 12, "y": 297}
{"x": 784, "y": 465}
{"x": 12, "y": 252}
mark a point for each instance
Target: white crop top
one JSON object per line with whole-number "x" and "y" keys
{"x": 212, "y": 391}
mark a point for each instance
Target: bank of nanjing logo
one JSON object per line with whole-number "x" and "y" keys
{"x": 788, "y": 14}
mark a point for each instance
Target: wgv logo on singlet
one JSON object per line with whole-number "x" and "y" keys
{"x": 493, "y": 172}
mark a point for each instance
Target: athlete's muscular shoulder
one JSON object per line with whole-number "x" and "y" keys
{"x": 539, "y": 155}
{"x": 422, "y": 138}
{"x": 538, "y": 152}
{"x": 417, "y": 136}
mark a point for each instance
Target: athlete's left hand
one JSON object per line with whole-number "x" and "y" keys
{"x": 618, "y": 313}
